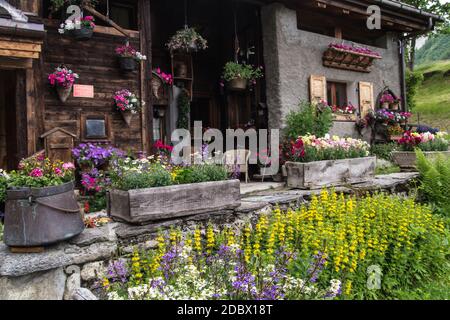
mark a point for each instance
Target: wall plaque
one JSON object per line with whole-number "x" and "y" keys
{"x": 83, "y": 91}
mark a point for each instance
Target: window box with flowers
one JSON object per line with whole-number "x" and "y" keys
{"x": 128, "y": 57}
{"x": 63, "y": 79}
{"x": 128, "y": 104}
{"x": 329, "y": 161}
{"x": 41, "y": 207}
{"x": 342, "y": 113}
{"x": 349, "y": 57}
{"x": 152, "y": 189}
{"x": 432, "y": 145}
{"x": 82, "y": 29}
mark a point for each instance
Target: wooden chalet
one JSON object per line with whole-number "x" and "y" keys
{"x": 297, "y": 63}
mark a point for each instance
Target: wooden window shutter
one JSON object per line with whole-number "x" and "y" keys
{"x": 366, "y": 98}
{"x": 318, "y": 88}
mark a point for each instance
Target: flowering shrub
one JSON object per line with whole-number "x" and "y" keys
{"x": 310, "y": 148}
{"x": 233, "y": 70}
{"x": 87, "y": 22}
{"x": 38, "y": 172}
{"x": 187, "y": 40}
{"x": 62, "y": 77}
{"x": 127, "y": 101}
{"x": 95, "y": 155}
{"x": 127, "y": 51}
{"x": 348, "y": 48}
{"x": 321, "y": 251}
{"x": 424, "y": 141}
{"x": 168, "y": 79}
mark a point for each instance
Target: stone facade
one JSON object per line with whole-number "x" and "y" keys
{"x": 292, "y": 56}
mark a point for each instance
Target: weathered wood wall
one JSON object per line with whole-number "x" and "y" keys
{"x": 96, "y": 63}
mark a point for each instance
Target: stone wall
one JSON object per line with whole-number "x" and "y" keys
{"x": 67, "y": 270}
{"x": 292, "y": 56}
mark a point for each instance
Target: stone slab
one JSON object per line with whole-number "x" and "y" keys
{"x": 47, "y": 285}
{"x": 59, "y": 256}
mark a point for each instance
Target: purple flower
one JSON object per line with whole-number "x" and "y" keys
{"x": 316, "y": 267}
{"x": 117, "y": 271}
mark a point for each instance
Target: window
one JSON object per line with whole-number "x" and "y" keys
{"x": 95, "y": 128}
{"x": 337, "y": 93}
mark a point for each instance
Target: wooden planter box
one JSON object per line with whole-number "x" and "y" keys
{"x": 348, "y": 60}
{"x": 318, "y": 174}
{"x": 344, "y": 117}
{"x": 148, "y": 205}
{"x": 407, "y": 159}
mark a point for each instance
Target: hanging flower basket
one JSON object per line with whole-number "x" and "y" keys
{"x": 127, "y": 64}
{"x": 64, "y": 92}
{"x": 128, "y": 105}
{"x": 128, "y": 56}
{"x": 83, "y": 33}
{"x": 127, "y": 117}
{"x": 63, "y": 79}
{"x": 238, "y": 84}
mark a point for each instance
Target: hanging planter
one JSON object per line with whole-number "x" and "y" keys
{"x": 238, "y": 84}
{"x": 239, "y": 75}
{"x": 63, "y": 79}
{"x": 64, "y": 93}
{"x": 187, "y": 40}
{"x": 81, "y": 30}
{"x": 128, "y": 104}
{"x": 128, "y": 58}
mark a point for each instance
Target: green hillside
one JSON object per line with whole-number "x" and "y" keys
{"x": 433, "y": 97}
{"x": 435, "y": 49}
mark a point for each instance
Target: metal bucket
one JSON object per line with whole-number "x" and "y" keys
{"x": 41, "y": 216}
{"x": 83, "y": 33}
{"x": 127, "y": 64}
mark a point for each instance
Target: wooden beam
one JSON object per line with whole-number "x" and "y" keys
{"x": 15, "y": 63}
{"x": 107, "y": 20}
{"x": 146, "y": 74}
{"x": 20, "y": 46}
{"x": 19, "y": 54}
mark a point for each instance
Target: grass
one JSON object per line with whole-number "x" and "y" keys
{"x": 387, "y": 170}
{"x": 433, "y": 97}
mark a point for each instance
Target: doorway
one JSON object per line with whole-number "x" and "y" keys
{"x": 12, "y": 130}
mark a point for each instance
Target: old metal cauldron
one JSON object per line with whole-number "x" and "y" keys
{"x": 41, "y": 216}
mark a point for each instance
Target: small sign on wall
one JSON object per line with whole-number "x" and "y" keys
{"x": 83, "y": 91}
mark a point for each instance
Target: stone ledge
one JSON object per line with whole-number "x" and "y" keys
{"x": 14, "y": 265}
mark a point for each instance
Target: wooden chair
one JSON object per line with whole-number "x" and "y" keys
{"x": 239, "y": 157}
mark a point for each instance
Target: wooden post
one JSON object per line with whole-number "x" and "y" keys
{"x": 146, "y": 74}
{"x": 338, "y": 32}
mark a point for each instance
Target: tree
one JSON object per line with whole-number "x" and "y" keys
{"x": 436, "y": 7}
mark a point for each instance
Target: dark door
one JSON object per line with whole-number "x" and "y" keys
{"x": 13, "y": 140}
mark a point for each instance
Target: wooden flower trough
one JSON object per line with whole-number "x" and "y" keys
{"x": 406, "y": 160}
{"x": 348, "y": 60}
{"x": 328, "y": 173}
{"x": 147, "y": 205}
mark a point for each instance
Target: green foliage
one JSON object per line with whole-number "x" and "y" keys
{"x": 97, "y": 202}
{"x": 156, "y": 176}
{"x": 233, "y": 70}
{"x": 435, "y": 48}
{"x": 413, "y": 82}
{"x": 184, "y": 109}
{"x": 435, "y": 181}
{"x": 383, "y": 150}
{"x": 3, "y": 186}
{"x": 200, "y": 173}
{"x": 308, "y": 120}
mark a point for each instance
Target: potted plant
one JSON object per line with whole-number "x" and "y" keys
{"x": 395, "y": 105}
{"x": 41, "y": 207}
{"x": 166, "y": 78}
{"x": 187, "y": 40}
{"x": 329, "y": 161}
{"x": 82, "y": 29}
{"x": 239, "y": 75}
{"x": 386, "y": 100}
{"x": 63, "y": 79}
{"x": 395, "y": 132}
{"x": 128, "y": 56}
{"x": 431, "y": 145}
{"x": 127, "y": 103}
